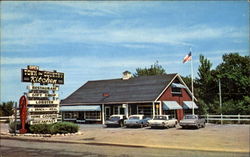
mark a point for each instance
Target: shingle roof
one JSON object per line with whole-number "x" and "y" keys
{"x": 144, "y": 88}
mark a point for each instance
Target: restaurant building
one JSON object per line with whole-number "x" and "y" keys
{"x": 96, "y": 101}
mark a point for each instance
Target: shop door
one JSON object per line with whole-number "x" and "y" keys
{"x": 121, "y": 110}
{"x": 81, "y": 116}
{"x": 107, "y": 112}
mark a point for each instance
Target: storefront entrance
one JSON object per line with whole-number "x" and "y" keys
{"x": 107, "y": 112}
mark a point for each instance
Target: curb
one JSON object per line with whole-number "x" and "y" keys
{"x": 122, "y": 144}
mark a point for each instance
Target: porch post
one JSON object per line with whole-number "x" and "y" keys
{"x": 160, "y": 108}
{"x": 153, "y": 109}
{"x": 103, "y": 118}
{"x": 126, "y": 111}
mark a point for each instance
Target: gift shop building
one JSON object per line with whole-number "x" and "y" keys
{"x": 96, "y": 101}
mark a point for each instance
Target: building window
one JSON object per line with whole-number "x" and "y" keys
{"x": 93, "y": 115}
{"x": 122, "y": 110}
{"x": 146, "y": 110}
{"x": 171, "y": 113}
{"x": 70, "y": 115}
{"x": 119, "y": 110}
{"x": 116, "y": 110}
{"x": 176, "y": 91}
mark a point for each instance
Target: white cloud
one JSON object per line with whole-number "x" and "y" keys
{"x": 40, "y": 31}
{"x": 14, "y": 16}
{"x": 221, "y": 52}
{"x": 26, "y": 61}
{"x": 94, "y": 8}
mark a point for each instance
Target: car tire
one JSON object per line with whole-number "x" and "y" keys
{"x": 204, "y": 125}
{"x": 141, "y": 125}
{"x": 121, "y": 124}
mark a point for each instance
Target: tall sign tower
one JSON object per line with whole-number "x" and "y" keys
{"x": 43, "y": 98}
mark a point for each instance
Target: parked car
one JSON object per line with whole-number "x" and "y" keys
{"x": 162, "y": 121}
{"x": 115, "y": 120}
{"x": 137, "y": 121}
{"x": 192, "y": 121}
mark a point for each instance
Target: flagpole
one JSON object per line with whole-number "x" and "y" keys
{"x": 192, "y": 82}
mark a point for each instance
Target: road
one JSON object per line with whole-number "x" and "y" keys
{"x": 14, "y": 148}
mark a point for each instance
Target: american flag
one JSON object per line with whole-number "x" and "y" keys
{"x": 188, "y": 57}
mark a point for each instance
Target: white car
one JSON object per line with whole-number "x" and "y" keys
{"x": 162, "y": 121}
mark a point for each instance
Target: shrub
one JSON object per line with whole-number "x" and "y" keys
{"x": 12, "y": 126}
{"x": 64, "y": 127}
{"x": 60, "y": 127}
{"x": 40, "y": 128}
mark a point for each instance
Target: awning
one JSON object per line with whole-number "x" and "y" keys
{"x": 171, "y": 105}
{"x": 189, "y": 105}
{"x": 178, "y": 85}
{"x": 80, "y": 108}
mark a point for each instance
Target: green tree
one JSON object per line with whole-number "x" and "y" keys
{"x": 234, "y": 73}
{"x": 154, "y": 69}
{"x": 6, "y": 108}
{"x": 206, "y": 82}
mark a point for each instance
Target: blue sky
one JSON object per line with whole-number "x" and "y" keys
{"x": 99, "y": 40}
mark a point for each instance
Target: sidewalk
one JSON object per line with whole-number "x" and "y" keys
{"x": 224, "y": 138}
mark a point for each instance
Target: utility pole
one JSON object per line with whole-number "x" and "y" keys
{"x": 220, "y": 95}
{"x": 220, "y": 101}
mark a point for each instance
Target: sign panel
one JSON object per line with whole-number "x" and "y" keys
{"x": 42, "y": 77}
{"x": 42, "y": 88}
{"x": 44, "y": 102}
{"x": 43, "y": 121}
{"x": 42, "y": 109}
{"x": 33, "y": 67}
{"x": 42, "y": 116}
{"x": 42, "y": 95}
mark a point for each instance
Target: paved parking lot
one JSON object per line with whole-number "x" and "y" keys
{"x": 213, "y": 137}
{"x": 234, "y": 138}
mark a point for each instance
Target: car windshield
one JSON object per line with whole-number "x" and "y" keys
{"x": 114, "y": 118}
{"x": 160, "y": 118}
{"x": 134, "y": 117}
{"x": 190, "y": 117}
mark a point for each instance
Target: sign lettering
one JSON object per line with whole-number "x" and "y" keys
{"x": 42, "y": 109}
{"x": 42, "y": 88}
{"x": 42, "y": 95}
{"x": 44, "y": 121}
{"x": 45, "y": 102}
{"x": 43, "y": 116}
{"x": 42, "y": 77}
